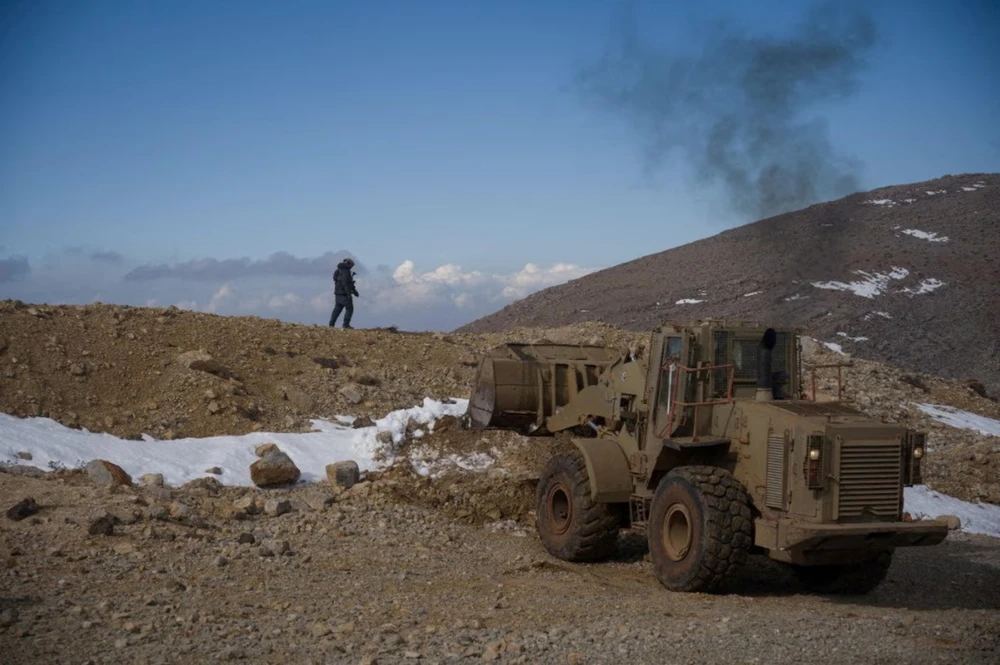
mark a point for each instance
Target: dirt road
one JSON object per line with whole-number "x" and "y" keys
{"x": 360, "y": 578}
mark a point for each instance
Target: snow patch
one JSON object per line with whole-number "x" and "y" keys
{"x": 925, "y": 286}
{"x": 884, "y": 315}
{"x": 924, "y": 503}
{"x": 909, "y": 200}
{"x": 960, "y": 419}
{"x": 837, "y": 348}
{"x": 53, "y": 445}
{"x": 872, "y": 285}
{"x": 795, "y": 297}
{"x": 925, "y": 235}
{"x": 752, "y": 293}
{"x": 940, "y": 191}
{"x": 881, "y": 202}
{"x": 853, "y": 339}
{"x": 969, "y": 189}
{"x": 688, "y": 301}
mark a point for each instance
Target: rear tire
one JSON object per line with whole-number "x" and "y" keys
{"x": 571, "y": 525}
{"x": 855, "y": 579}
{"x": 699, "y": 528}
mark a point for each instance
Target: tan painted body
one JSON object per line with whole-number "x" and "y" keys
{"x": 696, "y": 398}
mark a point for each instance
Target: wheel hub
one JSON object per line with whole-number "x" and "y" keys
{"x": 560, "y": 508}
{"x": 677, "y": 531}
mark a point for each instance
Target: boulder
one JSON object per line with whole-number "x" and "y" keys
{"x": 247, "y": 504}
{"x": 277, "y": 507}
{"x": 363, "y": 421}
{"x": 22, "y": 510}
{"x": 151, "y": 480}
{"x": 103, "y": 472}
{"x": 343, "y": 475}
{"x": 274, "y": 469}
{"x": 352, "y": 393}
{"x": 266, "y": 449}
{"x": 954, "y": 523}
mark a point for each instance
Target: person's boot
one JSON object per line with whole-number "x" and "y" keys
{"x": 348, "y": 326}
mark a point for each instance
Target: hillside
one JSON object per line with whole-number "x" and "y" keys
{"x": 905, "y": 274}
{"x": 431, "y": 556}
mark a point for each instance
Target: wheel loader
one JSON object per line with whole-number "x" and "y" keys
{"x": 708, "y": 443}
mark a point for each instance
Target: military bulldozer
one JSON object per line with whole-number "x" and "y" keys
{"x": 709, "y": 444}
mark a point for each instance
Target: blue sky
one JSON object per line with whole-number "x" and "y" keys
{"x": 441, "y": 133}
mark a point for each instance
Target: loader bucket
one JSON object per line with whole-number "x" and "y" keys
{"x": 518, "y": 386}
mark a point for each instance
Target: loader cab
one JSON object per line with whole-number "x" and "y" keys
{"x": 714, "y": 363}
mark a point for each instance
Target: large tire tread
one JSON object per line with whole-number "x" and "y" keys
{"x": 728, "y": 529}
{"x": 595, "y": 535}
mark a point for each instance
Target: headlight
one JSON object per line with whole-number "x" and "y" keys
{"x": 918, "y": 452}
{"x": 814, "y": 454}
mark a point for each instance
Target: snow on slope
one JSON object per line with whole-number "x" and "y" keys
{"x": 949, "y": 415}
{"x": 925, "y": 235}
{"x": 181, "y": 460}
{"x": 924, "y": 503}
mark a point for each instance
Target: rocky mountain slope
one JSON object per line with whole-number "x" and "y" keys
{"x": 905, "y": 274}
{"x": 401, "y": 567}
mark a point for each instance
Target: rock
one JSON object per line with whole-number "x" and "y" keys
{"x": 246, "y": 538}
{"x": 158, "y": 513}
{"x": 247, "y": 504}
{"x": 352, "y": 392}
{"x": 24, "y": 455}
{"x": 151, "y": 480}
{"x": 221, "y": 561}
{"x": 78, "y": 369}
{"x": 275, "y": 547}
{"x": 277, "y": 507}
{"x": 179, "y": 511}
{"x": 207, "y": 484}
{"x": 103, "y": 525}
{"x": 8, "y": 617}
{"x": 384, "y": 437}
{"x": 344, "y": 474}
{"x": 189, "y": 357}
{"x": 274, "y": 469}
{"x": 265, "y": 449}
{"x": 363, "y": 421}
{"x": 214, "y": 407}
{"x": 319, "y": 629}
{"x": 105, "y": 473}
{"x": 22, "y": 510}
{"x": 953, "y": 522}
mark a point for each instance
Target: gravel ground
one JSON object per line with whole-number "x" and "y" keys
{"x": 362, "y": 578}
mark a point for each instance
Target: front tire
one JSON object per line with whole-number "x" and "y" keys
{"x": 570, "y": 524}
{"x": 699, "y": 528}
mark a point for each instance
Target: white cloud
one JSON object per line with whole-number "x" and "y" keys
{"x": 439, "y": 298}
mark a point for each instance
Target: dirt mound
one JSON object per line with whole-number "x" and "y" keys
{"x": 901, "y": 274}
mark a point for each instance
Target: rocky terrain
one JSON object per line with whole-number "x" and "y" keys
{"x": 109, "y": 574}
{"x": 904, "y": 274}
{"x": 396, "y": 566}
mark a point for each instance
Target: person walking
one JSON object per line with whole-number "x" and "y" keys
{"x": 343, "y": 290}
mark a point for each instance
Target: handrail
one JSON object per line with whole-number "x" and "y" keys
{"x": 675, "y": 401}
{"x": 840, "y": 378}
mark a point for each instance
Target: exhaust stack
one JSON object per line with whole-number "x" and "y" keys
{"x": 765, "y": 378}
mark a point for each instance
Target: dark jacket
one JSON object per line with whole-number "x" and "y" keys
{"x": 343, "y": 280}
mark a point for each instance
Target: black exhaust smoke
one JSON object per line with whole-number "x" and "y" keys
{"x": 734, "y": 109}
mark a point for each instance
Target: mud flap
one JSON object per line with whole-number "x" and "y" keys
{"x": 608, "y": 470}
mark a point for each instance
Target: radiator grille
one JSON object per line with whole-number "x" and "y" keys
{"x": 776, "y": 453}
{"x": 870, "y": 477}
